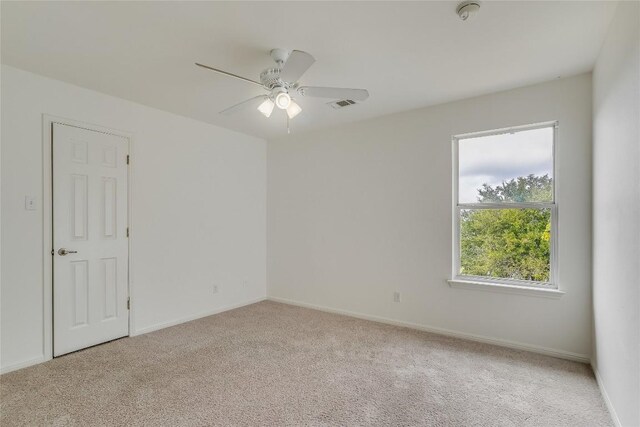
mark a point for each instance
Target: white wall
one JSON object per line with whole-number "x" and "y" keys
{"x": 199, "y": 209}
{"x": 616, "y": 215}
{"x": 363, "y": 210}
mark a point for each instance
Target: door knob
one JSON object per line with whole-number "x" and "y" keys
{"x": 63, "y": 252}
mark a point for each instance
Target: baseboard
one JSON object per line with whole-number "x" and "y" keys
{"x": 605, "y": 396}
{"x": 562, "y": 354}
{"x": 175, "y": 322}
{"x": 41, "y": 359}
{"x": 24, "y": 364}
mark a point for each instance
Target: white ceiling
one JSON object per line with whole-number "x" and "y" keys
{"x": 407, "y": 54}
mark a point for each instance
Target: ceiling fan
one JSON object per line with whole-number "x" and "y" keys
{"x": 282, "y": 84}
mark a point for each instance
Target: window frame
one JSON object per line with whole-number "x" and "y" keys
{"x": 552, "y": 206}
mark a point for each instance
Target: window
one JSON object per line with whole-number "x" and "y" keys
{"x": 505, "y": 213}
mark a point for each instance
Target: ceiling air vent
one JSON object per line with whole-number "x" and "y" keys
{"x": 341, "y": 104}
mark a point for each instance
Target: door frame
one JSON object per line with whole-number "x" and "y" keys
{"x": 47, "y": 220}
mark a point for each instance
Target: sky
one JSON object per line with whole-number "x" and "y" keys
{"x": 497, "y": 158}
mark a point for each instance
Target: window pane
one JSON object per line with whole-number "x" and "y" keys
{"x": 513, "y": 167}
{"x": 506, "y": 243}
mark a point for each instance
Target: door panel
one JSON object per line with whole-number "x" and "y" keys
{"x": 90, "y": 283}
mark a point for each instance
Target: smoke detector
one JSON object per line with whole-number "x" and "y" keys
{"x": 467, "y": 9}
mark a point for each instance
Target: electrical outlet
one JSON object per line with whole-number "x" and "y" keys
{"x": 215, "y": 289}
{"x": 396, "y": 297}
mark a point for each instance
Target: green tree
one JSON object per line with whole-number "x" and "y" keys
{"x": 529, "y": 188}
{"x": 508, "y": 243}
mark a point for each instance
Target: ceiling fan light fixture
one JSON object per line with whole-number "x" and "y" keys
{"x": 283, "y": 100}
{"x": 266, "y": 108}
{"x": 293, "y": 109}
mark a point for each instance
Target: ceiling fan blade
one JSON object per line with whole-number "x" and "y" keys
{"x": 334, "y": 93}
{"x": 296, "y": 65}
{"x": 229, "y": 74}
{"x": 252, "y": 102}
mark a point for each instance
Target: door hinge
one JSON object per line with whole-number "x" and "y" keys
{"x": 128, "y": 303}
{"x": 127, "y": 231}
{"x": 53, "y": 252}
{"x": 127, "y": 159}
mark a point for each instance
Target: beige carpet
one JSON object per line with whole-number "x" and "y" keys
{"x": 271, "y": 364}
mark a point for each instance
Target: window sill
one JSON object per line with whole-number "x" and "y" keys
{"x": 503, "y": 288}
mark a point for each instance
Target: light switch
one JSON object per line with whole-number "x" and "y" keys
{"x": 30, "y": 203}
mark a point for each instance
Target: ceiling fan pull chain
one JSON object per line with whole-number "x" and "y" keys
{"x": 288, "y": 130}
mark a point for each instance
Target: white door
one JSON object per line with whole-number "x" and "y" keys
{"x": 90, "y": 248}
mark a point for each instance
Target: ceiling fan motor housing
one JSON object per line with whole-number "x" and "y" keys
{"x": 270, "y": 78}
